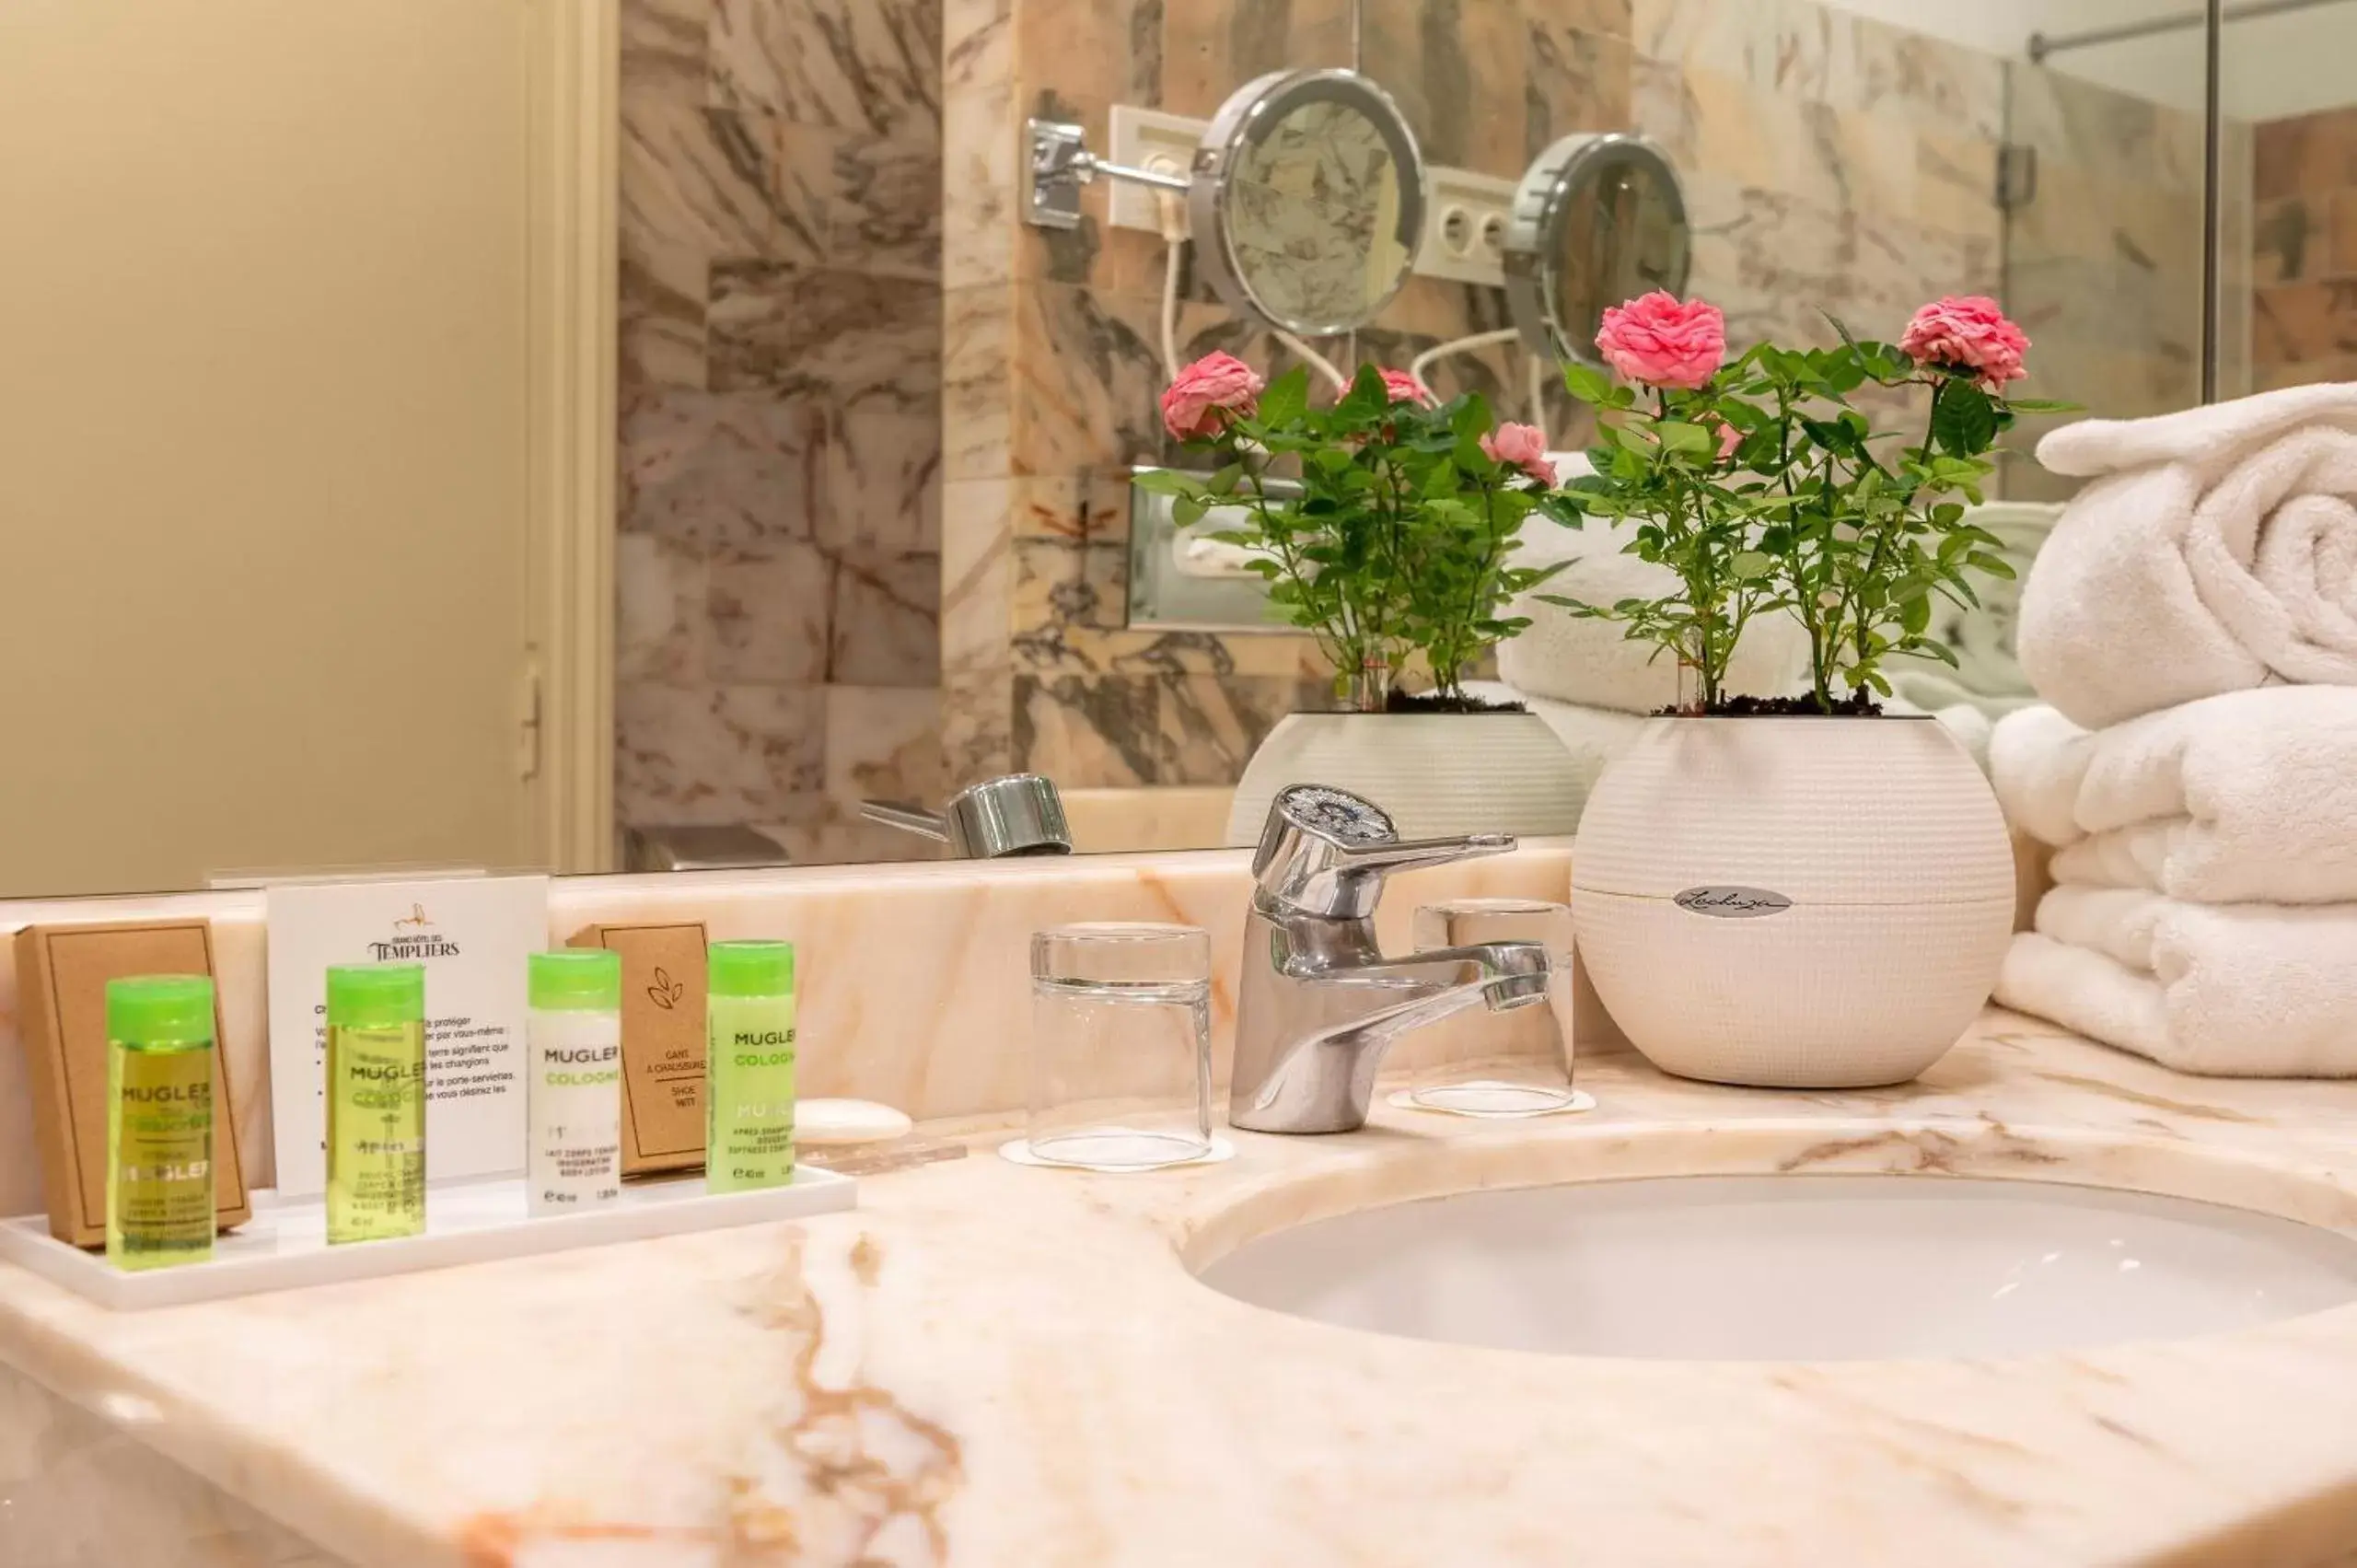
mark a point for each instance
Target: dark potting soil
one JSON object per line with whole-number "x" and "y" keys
{"x": 1857, "y": 706}
{"x": 1434, "y": 703}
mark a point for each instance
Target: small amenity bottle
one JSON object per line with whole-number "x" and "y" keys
{"x": 574, "y": 1039}
{"x": 748, "y": 1067}
{"x": 159, "y": 1120}
{"x": 376, "y": 1101}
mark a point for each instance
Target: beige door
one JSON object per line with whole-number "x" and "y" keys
{"x": 265, "y": 378}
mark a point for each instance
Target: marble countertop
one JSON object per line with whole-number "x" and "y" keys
{"x": 988, "y": 1364}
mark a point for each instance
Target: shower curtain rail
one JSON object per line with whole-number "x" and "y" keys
{"x": 2042, "y": 44}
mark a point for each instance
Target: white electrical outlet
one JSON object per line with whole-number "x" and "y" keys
{"x": 1147, "y": 138}
{"x": 1464, "y": 226}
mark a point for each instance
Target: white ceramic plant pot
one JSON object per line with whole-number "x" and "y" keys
{"x": 1435, "y": 773}
{"x": 1793, "y": 902}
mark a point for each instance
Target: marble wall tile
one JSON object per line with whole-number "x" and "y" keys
{"x": 1102, "y": 730}
{"x": 661, "y": 620}
{"x": 2298, "y": 296}
{"x": 1458, "y": 71}
{"x": 885, "y": 625}
{"x": 1063, "y": 587}
{"x": 2121, "y": 138}
{"x": 880, "y": 479}
{"x": 1208, "y": 726}
{"x": 843, "y": 335}
{"x": 1577, "y": 73}
{"x": 660, "y": 324}
{"x": 884, "y": 743}
{"x": 977, "y": 367}
{"x": 1086, "y": 375}
{"x": 1876, "y": 67}
{"x": 976, "y": 620}
{"x": 768, "y": 610}
{"x": 707, "y": 469}
{"x": 1211, "y": 47}
{"x": 696, "y": 179}
{"x": 717, "y": 754}
{"x": 2304, "y": 152}
{"x": 980, "y": 177}
{"x": 664, "y": 47}
{"x": 2294, "y": 324}
{"x": 872, "y": 66}
{"x": 1112, "y": 49}
{"x": 1088, "y": 509}
{"x": 1291, "y": 658}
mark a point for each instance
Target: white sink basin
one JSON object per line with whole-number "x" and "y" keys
{"x": 1796, "y": 1267}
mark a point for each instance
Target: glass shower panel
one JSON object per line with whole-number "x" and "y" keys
{"x": 2102, "y": 194}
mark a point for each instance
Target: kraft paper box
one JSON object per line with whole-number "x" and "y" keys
{"x": 62, "y": 974}
{"x": 663, "y": 1042}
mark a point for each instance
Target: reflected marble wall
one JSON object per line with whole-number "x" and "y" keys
{"x": 779, "y": 561}
{"x": 2105, "y": 263}
{"x": 2304, "y": 294}
{"x": 1830, "y": 161}
{"x": 1051, "y": 356}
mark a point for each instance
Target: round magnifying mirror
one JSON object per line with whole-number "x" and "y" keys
{"x": 1598, "y": 219}
{"x": 1307, "y": 200}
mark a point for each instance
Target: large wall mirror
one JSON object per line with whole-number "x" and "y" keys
{"x": 427, "y": 502}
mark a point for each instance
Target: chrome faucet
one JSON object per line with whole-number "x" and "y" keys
{"x": 1318, "y": 1004}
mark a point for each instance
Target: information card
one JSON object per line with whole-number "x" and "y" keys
{"x": 472, "y": 934}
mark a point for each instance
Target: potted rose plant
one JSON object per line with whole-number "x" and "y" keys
{"x": 1386, "y": 526}
{"x": 1795, "y": 890}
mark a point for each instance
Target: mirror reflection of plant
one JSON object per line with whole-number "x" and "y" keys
{"x": 1398, "y": 540}
{"x": 1760, "y": 484}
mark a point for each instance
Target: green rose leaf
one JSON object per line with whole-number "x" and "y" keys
{"x": 1286, "y": 399}
{"x": 1963, "y": 420}
{"x": 1588, "y": 384}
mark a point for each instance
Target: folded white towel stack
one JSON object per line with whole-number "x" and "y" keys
{"x": 2205, "y": 907}
{"x": 2216, "y": 551}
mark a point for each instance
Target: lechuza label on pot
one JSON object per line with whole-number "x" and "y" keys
{"x": 1732, "y": 902}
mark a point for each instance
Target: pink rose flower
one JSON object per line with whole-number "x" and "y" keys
{"x": 1206, "y": 394}
{"x": 1406, "y": 388}
{"x": 1968, "y": 332}
{"x": 1662, "y": 343}
{"x": 1520, "y": 446}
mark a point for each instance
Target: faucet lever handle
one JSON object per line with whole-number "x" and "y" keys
{"x": 1325, "y": 851}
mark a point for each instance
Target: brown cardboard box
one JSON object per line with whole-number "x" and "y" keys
{"x": 62, "y": 974}
{"x": 663, "y": 1042}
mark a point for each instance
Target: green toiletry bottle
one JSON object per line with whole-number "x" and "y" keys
{"x": 159, "y": 1120}
{"x": 748, "y": 1067}
{"x": 376, "y": 1101}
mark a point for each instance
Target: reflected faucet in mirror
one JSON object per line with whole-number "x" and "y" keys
{"x": 1020, "y": 813}
{"x": 1317, "y": 1003}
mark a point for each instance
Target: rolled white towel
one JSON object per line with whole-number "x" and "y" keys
{"x": 2229, "y": 989}
{"x": 1573, "y": 659}
{"x": 2249, "y": 796}
{"x": 2216, "y": 551}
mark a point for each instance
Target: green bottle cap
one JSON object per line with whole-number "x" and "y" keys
{"x": 750, "y": 968}
{"x": 144, "y": 1007}
{"x": 370, "y": 996}
{"x": 576, "y": 980}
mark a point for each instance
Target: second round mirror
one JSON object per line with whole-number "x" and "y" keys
{"x": 1596, "y": 220}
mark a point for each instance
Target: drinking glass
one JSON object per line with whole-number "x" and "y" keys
{"x": 1120, "y": 1045}
{"x": 1517, "y": 1063}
